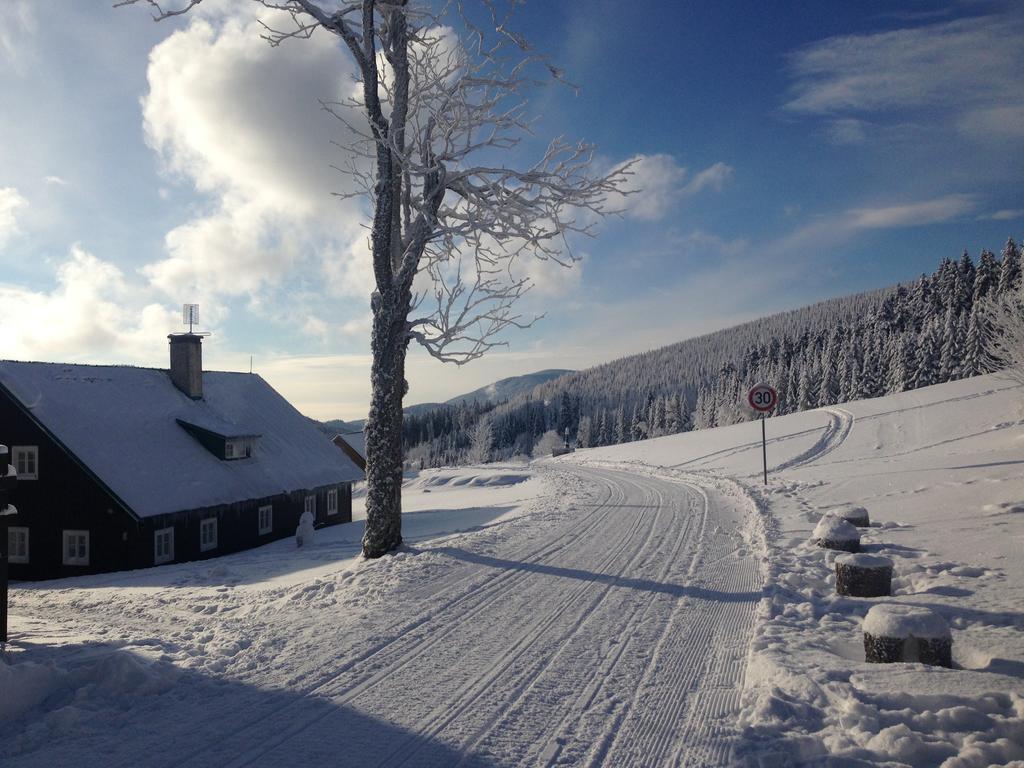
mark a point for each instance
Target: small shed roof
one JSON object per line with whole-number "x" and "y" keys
{"x": 122, "y": 423}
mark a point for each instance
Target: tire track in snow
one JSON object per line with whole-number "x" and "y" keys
{"x": 839, "y": 427}
{"x": 621, "y": 655}
{"x": 392, "y": 657}
{"x": 519, "y": 678}
{"x": 680, "y": 711}
{"x": 417, "y": 633}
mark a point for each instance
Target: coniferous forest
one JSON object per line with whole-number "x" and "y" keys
{"x": 865, "y": 345}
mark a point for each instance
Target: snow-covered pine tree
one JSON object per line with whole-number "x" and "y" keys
{"x": 975, "y": 359}
{"x": 601, "y": 433}
{"x": 685, "y": 415}
{"x": 901, "y": 364}
{"x": 952, "y": 347}
{"x": 621, "y": 428}
{"x": 928, "y": 355}
{"x": 805, "y": 396}
{"x": 968, "y": 272}
{"x": 1009, "y": 269}
{"x": 869, "y": 384}
{"x": 656, "y": 417}
{"x": 673, "y": 414}
{"x": 637, "y": 425}
{"x": 986, "y": 277}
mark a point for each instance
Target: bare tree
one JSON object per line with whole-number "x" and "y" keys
{"x": 443, "y": 96}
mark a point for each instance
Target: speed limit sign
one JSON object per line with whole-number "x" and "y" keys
{"x": 762, "y": 397}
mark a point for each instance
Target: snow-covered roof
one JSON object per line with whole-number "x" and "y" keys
{"x": 357, "y": 440}
{"x": 121, "y": 422}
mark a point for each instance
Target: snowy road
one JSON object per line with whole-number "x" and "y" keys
{"x": 615, "y": 636}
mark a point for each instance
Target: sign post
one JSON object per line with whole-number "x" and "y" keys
{"x": 763, "y": 398}
{"x": 7, "y": 480}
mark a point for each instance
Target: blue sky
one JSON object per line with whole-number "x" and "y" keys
{"x": 784, "y": 156}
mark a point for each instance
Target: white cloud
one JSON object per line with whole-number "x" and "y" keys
{"x": 92, "y": 315}
{"x": 17, "y": 24}
{"x": 966, "y": 72}
{"x": 1006, "y": 214}
{"x": 11, "y": 202}
{"x": 912, "y": 214}
{"x": 713, "y": 177}
{"x": 994, "y": 122}
{"x": 847, "y": 131}
{"x": 657, "y": 183}
{"x": 242, "y": 121}
{"x": 55, "y": 181}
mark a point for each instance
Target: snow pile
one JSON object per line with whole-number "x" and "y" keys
{"x": 862, "y": 560}
{"x": 896, "y": 620}
{"x": 854, "y": 515}
{"x": 834, "y": 530}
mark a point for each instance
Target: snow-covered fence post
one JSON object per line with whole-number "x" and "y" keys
{"x": 911, "y": 633}
{"x": 860, "y": 575}
{"x": 836, "y": 533}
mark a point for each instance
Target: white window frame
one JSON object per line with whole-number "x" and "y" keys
{"x": 14, "y": 555}
{"x": 332, "y": 502}
{"x": 18, "y": 451}
{"x": 207, "y": 542}
{"x": 229, "y": 449}
{"x": 309, "y": 505}
{"x": 76, "y": 559}
{"x": 158, "y": 559}
{"x": 269, "y": 527}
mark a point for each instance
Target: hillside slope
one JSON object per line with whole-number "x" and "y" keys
{"x": 939, "y": 470}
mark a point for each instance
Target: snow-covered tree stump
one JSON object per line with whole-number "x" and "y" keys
{"x": 857, "y": 516}
{"x": 860, "y": 575}
{"x": 907, "y": 633}
{"x": 835, "y": 533}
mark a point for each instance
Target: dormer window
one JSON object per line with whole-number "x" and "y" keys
{"x": 225, "y": 441}
{"x": 238, "y": 448}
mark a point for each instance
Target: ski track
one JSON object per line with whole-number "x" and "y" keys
{"x": 517, "y": 671}
{"x": 617, "y": 638}
{"x": 840, "y": 424}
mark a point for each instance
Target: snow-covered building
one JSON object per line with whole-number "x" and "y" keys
{"x": 122, "y": 467}
{"x": 353, "y": 445}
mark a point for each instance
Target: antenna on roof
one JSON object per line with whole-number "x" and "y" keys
{"x": 190, "y": 315}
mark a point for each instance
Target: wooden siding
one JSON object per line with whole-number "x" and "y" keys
{"x": 67, "y": 496}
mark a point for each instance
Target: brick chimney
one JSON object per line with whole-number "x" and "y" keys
{"x": 187, "y": 363}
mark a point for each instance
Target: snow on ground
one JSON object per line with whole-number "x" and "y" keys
{"x": 940, "y": 471}
{"x": 644, "y": 604}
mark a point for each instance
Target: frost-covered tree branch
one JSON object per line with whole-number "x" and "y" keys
{"x": 443, "y": 100}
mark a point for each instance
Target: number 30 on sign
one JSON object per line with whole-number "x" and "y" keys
{"x": 762, "y": 397}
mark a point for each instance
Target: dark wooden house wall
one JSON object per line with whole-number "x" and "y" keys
{"x": 66, "y": 496}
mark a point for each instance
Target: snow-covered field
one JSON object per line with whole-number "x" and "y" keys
{"x": 643, "y": 604}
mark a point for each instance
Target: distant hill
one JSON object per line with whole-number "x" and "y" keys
{"x": 496, "y": 392}
{"x": 338, "y": 427}
{"x": 506, "y": 389}
{"x": 852, "y": 347}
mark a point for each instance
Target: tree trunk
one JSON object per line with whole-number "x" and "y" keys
{"x": 389, "y": 343}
